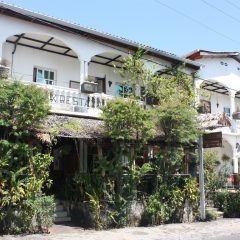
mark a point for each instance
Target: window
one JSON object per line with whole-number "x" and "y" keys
{"x": 44, "y": 76}
{"x": 226, "y": 111}
{"x": 123, "y": 90}
{"x": 101, "y": 87}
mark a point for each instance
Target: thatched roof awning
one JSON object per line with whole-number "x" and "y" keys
{"x": 86, "y": 128}
{"x": 214, "y": 120}
{"x": 69, "y": 127}
{"x": 75, "y": 127}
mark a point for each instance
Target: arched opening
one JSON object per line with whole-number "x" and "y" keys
{"x": 40, "y": 58}
{"x": 237, "y": 101}
{"x": 103, "y": 70}
{"x": 214, "y": 97}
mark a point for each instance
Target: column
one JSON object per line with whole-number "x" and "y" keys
{"x": 197, "y": 88}
{"x": 232, "y": 101}
{"x": 235, "y": 159}
{"x": 1, "y": 52}
{"x": 235, "y": 165}
{"x": 83, "y": 71}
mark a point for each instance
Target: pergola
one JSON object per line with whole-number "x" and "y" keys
{"x": 55, "y": 46}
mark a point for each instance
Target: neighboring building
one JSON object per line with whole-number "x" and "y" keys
{"x": 77, "y": 65}
{"x": 220, "y": 77}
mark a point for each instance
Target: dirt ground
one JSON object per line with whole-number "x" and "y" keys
{"x": 223, "y": 229}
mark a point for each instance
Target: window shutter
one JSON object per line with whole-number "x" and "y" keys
{"x": 34, "y": 74}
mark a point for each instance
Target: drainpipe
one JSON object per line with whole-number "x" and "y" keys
{"x": 14, "y": 50}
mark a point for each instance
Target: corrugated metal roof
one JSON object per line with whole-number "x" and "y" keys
{"x": 44, "y": 17}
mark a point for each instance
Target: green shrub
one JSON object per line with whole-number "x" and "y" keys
{"x": 231, "y": 205}
{"x": 228, "y": 202}
{"x": 219, "y": 199}
{"x": 32, "y": 216}
{"x": 211, "y": 215}
{"x": 24, "y": 165}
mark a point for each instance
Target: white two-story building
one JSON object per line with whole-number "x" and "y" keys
{"x": 78, "y": 65}
{"x": 219, "y": 79}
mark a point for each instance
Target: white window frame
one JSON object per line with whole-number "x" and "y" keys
{"x": 46, "y": 81}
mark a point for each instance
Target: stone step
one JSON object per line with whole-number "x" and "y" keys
{"x": 59, "y": 208}
{"x": 216, "y": 211}
{"x": 62, "y": 219}
{"x": 212, "y": 209}
{"x": 57, "y": 201}
{"x": 62, "y": 214}
{"x": 220, "y": 214}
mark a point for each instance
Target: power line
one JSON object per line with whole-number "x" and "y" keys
{"x": 233, "y": 4}
{"x": 197, "y": 21}
{"x": 221, "y": 11}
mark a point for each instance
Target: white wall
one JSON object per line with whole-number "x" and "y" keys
{"x": 25, "y": 59}
{"x": 214, "y": 98}
{"x": 228, "y": 75}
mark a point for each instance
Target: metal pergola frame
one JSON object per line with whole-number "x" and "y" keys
{"x": 63, "y": 50}
{"x": 217, "y": 88}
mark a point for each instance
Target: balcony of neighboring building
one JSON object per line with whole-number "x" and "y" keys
{"x": 215, "y": 97}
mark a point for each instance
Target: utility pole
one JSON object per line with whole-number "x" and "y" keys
{"x": 201, "y": 180}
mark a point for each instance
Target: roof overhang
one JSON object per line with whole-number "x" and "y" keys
{"x": 199, "y": 53}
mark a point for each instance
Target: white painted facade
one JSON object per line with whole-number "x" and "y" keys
{"x": 225, "y": 70}
{"x": 22, "y": 59}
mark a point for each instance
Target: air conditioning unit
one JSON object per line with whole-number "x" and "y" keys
{"x": 4, "y": 71}
{"x": 89, "y": 87}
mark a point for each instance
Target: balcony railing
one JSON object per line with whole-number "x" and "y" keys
{"x": 71, "y": 100}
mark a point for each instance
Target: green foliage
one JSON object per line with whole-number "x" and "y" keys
{"x": 178, "y": 122}
{"x": 210, "y": 215}
{"x": 33, "y": 215}
{"x": 228, "y": 202}
{"x": 95, "y": 207}
{"x": 23, "y": 168}
{"x": 213, "y": 180}
{"x": 231, "y": 206}
{"x": 126, "y": 120}
{"x": 72, "y": 125}
{"x": 167, "y": 203}
{"x": 22, "y": 107}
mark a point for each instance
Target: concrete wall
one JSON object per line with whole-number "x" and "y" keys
{"x": 25, "y": 59}
{"x": 216, "y": 69}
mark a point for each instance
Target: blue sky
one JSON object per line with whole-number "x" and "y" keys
{"x": 176, "y": 26}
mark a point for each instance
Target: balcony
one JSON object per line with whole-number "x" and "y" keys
{"x": 72, "y": 102}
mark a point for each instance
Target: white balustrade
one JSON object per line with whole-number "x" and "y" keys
{"x": 71, "y": 100}
{"x": 98, "y": 99}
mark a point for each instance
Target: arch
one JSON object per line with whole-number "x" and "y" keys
{"x": 43, "y": 42}
{"x": 29, "y": 53}
{"x": 108, "y": 58}
{"x": 215, "y": 86}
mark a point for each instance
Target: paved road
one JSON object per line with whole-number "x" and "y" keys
{"x": 224, "y": 229}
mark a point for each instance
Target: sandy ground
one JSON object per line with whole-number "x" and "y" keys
{"x": 223, "y": 229}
